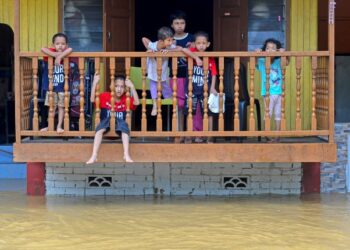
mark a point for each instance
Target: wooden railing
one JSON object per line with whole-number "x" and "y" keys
{"x": 294, "y": 77}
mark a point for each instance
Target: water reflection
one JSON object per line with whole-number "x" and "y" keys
{"x": 263, "y": 222}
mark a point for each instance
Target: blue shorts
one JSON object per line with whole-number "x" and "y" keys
{"x": 120, "y": 126}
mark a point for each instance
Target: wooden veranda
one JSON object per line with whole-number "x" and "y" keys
{"x": 313, "y": 143}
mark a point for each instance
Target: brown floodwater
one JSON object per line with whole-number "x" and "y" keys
{"x": 257, "y": 222}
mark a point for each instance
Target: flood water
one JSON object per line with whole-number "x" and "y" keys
{"x": 258, "y": 222}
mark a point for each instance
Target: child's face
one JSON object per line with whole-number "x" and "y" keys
{"x": 119, "y": 87}
{"x": 201, "y": 43}
{"x": 167, "y": 42}
{"x": 60, "y": 44}
{"x": 271, "y": 47}
{"x": 179, "y": 26}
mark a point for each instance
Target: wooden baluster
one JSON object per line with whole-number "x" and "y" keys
{"x": 206, "y": 93}
{"x": 251, "y": 94}
{"x": 298, "y": 89}
{"x": 35, "y": 93}
{"x": 283, "y": 100}
{"x": 112, "y": 88}
{"x": 66, "y": 94}
{"x": 236, "y": 94}
{"x": 159, "y": 94}
{"x": 313, "y": 116}
{"x": 144, "y": 116}
{"x": 51, "y": 101}
{"x": 81, "y": 97}
{"x": 174, "y": 72}
{"x": 97, "y": 93}
{"x": 221, "y": 94}
{"x": 127, "y": 74}
{"x": 190, "y": 88}
{"x": 267, "y": 96}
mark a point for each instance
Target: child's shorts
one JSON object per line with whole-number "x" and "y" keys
{"x": 275, "y": 106}
{"x": 58, "y": 99}
{"x": 120, "y": 126}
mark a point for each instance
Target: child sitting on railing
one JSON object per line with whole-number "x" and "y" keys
{"x": 120, "y": 106}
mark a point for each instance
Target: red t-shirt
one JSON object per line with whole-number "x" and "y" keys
{"x": 212, "y": 63}
{"x": 119, "y": 106}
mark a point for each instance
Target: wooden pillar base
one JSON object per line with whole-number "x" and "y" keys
{"x": 36, "y": 178}
{"x": 311, "y": 179}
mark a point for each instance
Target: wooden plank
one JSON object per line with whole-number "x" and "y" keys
{"x": 17, "y": 69}
{"x": 273, "y": 133}
{"x": 113, "y": 152}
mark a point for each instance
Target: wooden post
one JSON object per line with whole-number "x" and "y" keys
{"x": 251, "y": 95}
{"x": 35, "y": 120}
{"x": 81, "y": 100}
{"x": 112, "y": 88}
{"x": 97, "y": 93}
{"x": 283, "y": 101}
{"x": 159, "y": 94}
{"x": 298, "y": 97}
{"x": 36, "y": 178}
{"x": 174, "y": 72}
{"x": 236, "y": 94}
{"x": 51, "y": 99}
{"x": 206, "y": 93}
{"x": 66, "y": 94}
{"x": 189, "y": 98}
{"x": 144, "y": 116}
{"x": 267, "y": 96}
{"x": 331, "y": 30}
{"x": 221, "y": 94}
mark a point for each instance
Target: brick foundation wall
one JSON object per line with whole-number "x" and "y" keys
{"x": 173, "y": 179}
{"x": 333, "y": 175}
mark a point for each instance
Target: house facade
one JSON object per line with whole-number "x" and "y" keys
{"x": 309, "y": 134}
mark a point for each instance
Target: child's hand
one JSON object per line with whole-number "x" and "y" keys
{"x": 164, "y": 51}
{"x": 281, "y": 50}
{"x": 129, "y": 84}
{"x": 199, "y": 62}
{"x": 258, "y": 50}
{"x": 213, "y": 91}
{"x": 58, "y": 60}
{"x": 96, "y": 78}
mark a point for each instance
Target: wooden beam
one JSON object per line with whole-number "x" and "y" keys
{"x": 17, "y": 69}
{"x": 239, "y": 152}
{"x": 331, "y": 30}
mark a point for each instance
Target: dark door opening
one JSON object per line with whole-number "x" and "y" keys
{"x": 7, "y": 110}
{"x": 148, "y": 20}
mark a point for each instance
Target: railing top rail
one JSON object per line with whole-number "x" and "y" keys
{"x": 171, "y": 54}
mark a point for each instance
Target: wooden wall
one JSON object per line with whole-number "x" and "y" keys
{"x": 39, "y": 21}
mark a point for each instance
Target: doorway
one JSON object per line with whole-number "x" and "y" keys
{"x": 148, "y": 20}
{"x": 7, "y": 103}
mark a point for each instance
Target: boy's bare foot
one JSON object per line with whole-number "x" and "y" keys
{"x": 92, "y": 160}
{"x": 127, "y": 158}
{"x": 188, "y": 140}
{"x": 44, "y": 129}
{"x": 210, "y": 140}
{"x": 179, "y": 140}
{"x": 59, "y": 130}
{"x": 198, "y": 140}
{"x": 154, "y": 111}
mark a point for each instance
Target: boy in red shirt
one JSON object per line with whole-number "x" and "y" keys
{"x": 121, "y": 127}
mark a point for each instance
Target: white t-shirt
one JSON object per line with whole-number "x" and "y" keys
{"x": 152, "y": 64}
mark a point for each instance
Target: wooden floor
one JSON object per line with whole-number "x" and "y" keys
{"x": 305, "y": 149}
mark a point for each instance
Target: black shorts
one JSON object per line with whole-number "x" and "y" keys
{"x": 120, "y": 126}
